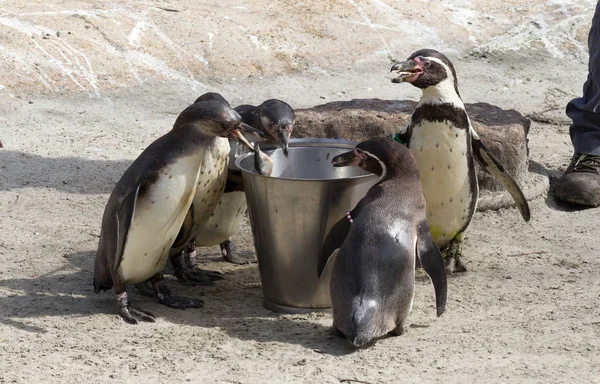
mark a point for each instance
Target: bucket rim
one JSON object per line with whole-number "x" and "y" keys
{"x": 316, "y": 142}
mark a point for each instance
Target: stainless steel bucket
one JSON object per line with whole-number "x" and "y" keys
{"x": 291, "y": 212}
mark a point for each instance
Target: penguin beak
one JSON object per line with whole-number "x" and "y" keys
{"x": 283, "y": 135}
{"x": 237, "y": 134}
{"x": 345, "y": 160}
{"x": 251, "y": 130}
{"x": 408, "y": 71}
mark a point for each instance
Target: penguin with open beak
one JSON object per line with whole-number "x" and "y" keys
{"x": 445, "y": 145}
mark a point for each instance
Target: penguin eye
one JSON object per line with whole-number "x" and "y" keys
{"x": 426, "y": 64}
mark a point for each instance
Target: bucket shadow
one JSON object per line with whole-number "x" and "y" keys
{"x": 68, "y": 174}
{"x": 233, "y": 305}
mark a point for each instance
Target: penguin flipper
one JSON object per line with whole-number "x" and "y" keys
{"x": 334, "y": 240}
{"x": 124, "y": 218}
{"x": 186, "y": 228}
{"x": 432, "y": 262}
{"x": 494, "y": 167}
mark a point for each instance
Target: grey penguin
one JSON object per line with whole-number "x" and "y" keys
{"x": 443, "y": 141}
{"x": 146, "y": 209}
{"x": 377, "y": 244}
{"x": 275, "y": 119}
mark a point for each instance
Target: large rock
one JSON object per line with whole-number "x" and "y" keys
{"x": 503, "y": 131}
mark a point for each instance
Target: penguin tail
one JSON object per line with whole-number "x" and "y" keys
{"x": 365, "y": 323}
{"x": 102, "y": 276}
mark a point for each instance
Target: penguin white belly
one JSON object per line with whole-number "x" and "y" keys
{"x": 224, "y": 220}
{"x": 441, "y": 153}
{"x": 157, "y": 218}
{"x": 211, "y": 183}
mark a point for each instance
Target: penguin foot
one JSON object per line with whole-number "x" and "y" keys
{"x": 132, "y": 315}
{"x": 165, "y": 297}
{"x": 454, "y": 264}
{"x": 229, "y": 255}
{"x": 399, "y": 330}
{"x": 179, "y": 302}
{"x": 146, "y": 289}
{"x": 198, "y": 276}
{"x": 192, "y": 275}
{"x": 453, "y": 258}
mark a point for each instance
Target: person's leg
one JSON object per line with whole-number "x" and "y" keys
{"x": 580, "y": 183}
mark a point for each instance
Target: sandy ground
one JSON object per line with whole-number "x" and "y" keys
{"x": 526, "y": 311}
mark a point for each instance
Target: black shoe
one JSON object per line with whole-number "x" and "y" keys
{"x": 580, "y": 184}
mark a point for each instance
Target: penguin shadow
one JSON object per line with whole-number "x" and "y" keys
{"x": 553, "y": 175}
{"x": 68, "y": 174}
{"x": 63, "y": 291}
{"x": 235, "y": 306}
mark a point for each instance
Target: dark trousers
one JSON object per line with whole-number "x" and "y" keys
{"x": 585, "y": 130}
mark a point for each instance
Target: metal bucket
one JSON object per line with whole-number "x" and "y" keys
{"x": 291, "y": 212}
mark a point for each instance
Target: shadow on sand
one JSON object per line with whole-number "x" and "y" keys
{"x": 233, "y": 305}
{"x": 551, "y": 200}
{"x": 68, "y": 174}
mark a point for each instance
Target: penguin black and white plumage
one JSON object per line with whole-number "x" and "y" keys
{"x": 275, "y": 119}
{"x": 378, "y": 243}
{"x": 147, "y": 208}
{"x": 444, "y": 143}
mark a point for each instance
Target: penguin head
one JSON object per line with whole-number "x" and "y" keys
{"x": 382, "y": 156}
{"x": 278, "y": 118}
{"x": 208, "y": 96}
{"x": 215, "y": 117}
{"x": 425, "y": 68}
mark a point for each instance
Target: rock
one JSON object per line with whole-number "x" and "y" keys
{"x": 503, "y": 131}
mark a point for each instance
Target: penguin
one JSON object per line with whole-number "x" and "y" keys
{"x": 148, "y": 206}
{"x": 377, "y": 244}
{"x": 274, "y": 117}
{"x": 275, "y": 120}
{"x": 445, "y": 145}
{"x": 183, "y": 253}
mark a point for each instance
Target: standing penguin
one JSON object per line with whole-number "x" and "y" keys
{"x": 373, "y": 277}
{"x": 150, "y": 202}
{"x": 441, "y": 138}
{"x": 275, "y": 120}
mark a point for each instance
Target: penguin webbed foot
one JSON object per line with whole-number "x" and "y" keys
{"x": 179, "y": 302}
{"x": 453, "y": 258}
{"x": 399, "y": 330}
{"x": 146, "y": 289}
{"x": 229, "y": 254}
{"x": 132, "y": 315}
{"x": 186, "y": 271}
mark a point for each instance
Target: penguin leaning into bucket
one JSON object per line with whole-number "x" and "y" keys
{"x": 147, "y": 208}
{"x": 443, "y": 141}
{"x": 377, "y": 245}
{"x": 275, "y": 120}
